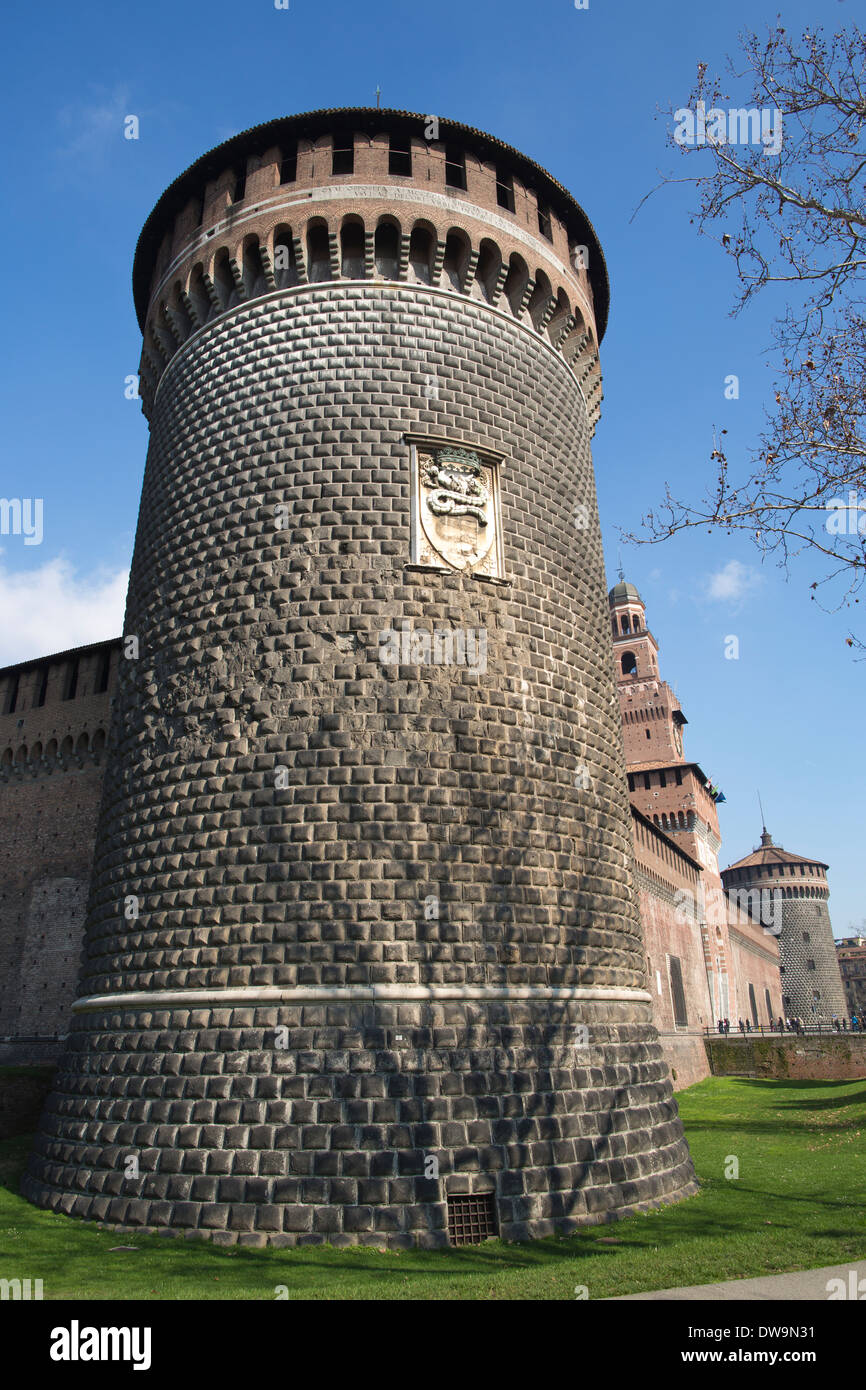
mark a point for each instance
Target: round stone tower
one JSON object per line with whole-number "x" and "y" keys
{"x": 791, "y": 892}
{"x": 363, "y": 962}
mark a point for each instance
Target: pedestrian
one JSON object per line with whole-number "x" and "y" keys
{"x": 727, "y": 1026}
{"x": 781, "y": 1025}
{"x": 721, "y": 1025}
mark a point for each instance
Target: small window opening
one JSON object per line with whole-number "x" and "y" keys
{"x": 400, "y": 155}
{"x": 343, "y": 157}
{"x": 455, "y": 167}
{"x": 12, "y": 700}
{"x": 72, "y": 681}
{"x": 289, "y": 164}
{"x": 504, "y": 190}
{"x": 102, "y": 674}
{"x": 678, "y": 994}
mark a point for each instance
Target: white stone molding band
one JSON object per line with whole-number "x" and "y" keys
{"x": 318, "y": 994}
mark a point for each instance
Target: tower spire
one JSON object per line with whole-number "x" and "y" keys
{"x": 766, "y": 837}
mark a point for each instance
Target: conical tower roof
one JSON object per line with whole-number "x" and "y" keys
{"x": 770, "y": 853}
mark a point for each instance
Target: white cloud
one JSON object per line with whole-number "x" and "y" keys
{"x": 88, "y": 130}
{"x": 52, "y": 608}
{"x": 733, "y": 582}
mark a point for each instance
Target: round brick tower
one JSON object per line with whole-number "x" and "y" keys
{"x": 363, "y": 962}
{"x": 791, "y": 892}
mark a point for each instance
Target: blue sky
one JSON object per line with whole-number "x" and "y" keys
{"x": 579, "y": 91}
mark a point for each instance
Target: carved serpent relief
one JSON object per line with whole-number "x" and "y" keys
{"x": 457, "y": 522}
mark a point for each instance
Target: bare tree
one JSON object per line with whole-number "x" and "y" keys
{"x": 787, "y": 205}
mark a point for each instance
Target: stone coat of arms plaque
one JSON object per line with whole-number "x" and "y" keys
{"x": 455, "y": 510}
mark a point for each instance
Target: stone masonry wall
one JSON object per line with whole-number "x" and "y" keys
{"x": 51, "y": 773}
{"x": 809, "y": 1057}
{"x": 429, "y": 832}
{"x": 810, "y": 965}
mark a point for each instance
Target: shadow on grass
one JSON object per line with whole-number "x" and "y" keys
{"x": 784, "y": 1084}
{"x": 723, "y": 1220}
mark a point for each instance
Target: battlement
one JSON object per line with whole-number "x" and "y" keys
{"x": 54, "y": 711}
{"x": 369, "y": 195}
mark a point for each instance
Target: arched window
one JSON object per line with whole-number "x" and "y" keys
{"x": 224, "y": 280}
{"x": 516, "y": 282}
{"x": 199, "y": 296}
{"x": 387, "y": 250}
{"x": 285, "y": 263}
{"x": 180, "y": 318}
{"x": 487, "y": 269}
{"x": 352, "y": 249}
{"x": 253, "y": 275}
{"x": 629, "y": 664}
{"x": 318, "y": 253}
{"x": 421, "y": 245}
{"x": 539, "y": 302}
{"x": 561, "y": 316}
{"x": 456, "y": 258}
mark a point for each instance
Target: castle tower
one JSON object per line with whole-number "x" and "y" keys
{"x": 740, "y": 952}
{"x": 812, "y": 986}
{"x": 672, "y": 792}
{"x": 363, "y": 962}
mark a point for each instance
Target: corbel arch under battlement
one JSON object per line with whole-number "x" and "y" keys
{"x": 348, "y": 246}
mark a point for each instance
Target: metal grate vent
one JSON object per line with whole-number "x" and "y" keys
{"x": 472, "y": 1219}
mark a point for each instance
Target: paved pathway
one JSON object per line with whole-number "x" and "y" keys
{"x": 804, "y": 1285}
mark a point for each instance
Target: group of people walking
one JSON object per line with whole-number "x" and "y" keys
{"x": 791, "y": 1025}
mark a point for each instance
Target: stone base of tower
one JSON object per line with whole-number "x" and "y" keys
{"x": 328, "y": 1120}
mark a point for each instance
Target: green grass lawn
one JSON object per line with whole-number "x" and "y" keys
{"x": 799, "y": 1202}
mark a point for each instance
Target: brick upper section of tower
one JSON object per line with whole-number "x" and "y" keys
{"x": 363, "y": 194}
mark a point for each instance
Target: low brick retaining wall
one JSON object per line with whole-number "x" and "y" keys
{"x": 812, "y": 1057}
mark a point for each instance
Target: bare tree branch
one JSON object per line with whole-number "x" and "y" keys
{"x": 795, "y": 185}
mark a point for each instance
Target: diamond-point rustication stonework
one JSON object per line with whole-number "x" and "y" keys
{"x": 362, "y": 938}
